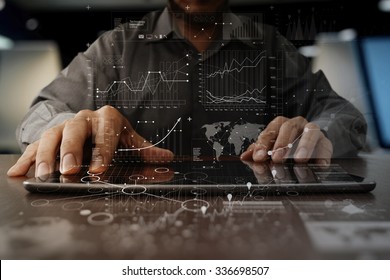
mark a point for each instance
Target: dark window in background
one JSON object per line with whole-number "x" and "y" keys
{"x": 13, "y": 22}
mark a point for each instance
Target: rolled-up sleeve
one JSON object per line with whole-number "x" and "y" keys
{"x": 41, "y": 116}
{"x": 60, "y": 100}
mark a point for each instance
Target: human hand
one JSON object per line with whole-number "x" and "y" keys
{"x": 282, "y": 136}
{"x": 107, "y": 129}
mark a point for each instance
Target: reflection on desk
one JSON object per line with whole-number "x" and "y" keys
{"x": 196, "y": 225}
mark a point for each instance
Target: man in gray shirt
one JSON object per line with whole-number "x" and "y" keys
{"x": 191, "y": 80}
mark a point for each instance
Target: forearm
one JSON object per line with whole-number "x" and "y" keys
{"x": 338, "y": 119}
{"x": 68, "y": 93}
{"x": 346, "y": 128}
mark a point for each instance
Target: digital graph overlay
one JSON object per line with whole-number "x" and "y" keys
{"x": 248, "y": 28}
{"x": 234, "y": 80}
{"x": 154, "y": 88}
{"x": 170, "y": 138}
{"x": 304, "y": 23}
{"x": 141, "y": 211}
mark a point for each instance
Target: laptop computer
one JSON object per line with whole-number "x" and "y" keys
{"x": 373, "y": 55}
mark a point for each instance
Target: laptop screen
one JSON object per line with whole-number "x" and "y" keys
{"x": 375, "y": 53}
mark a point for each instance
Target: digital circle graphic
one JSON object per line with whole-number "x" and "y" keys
{"x": 90, "y": 178}
{"x": 136, "y": 177}
{"x": 161, "y": 170}
{"x": 195, "y": 205}
{"x": 292, "y": 193}
{"x": 40, "y": 203}
{"x": 71, "y": 206}
{"x": 198, "y": 191}
{"x": 133, "y": 190}
{"x": 100, "y": 219}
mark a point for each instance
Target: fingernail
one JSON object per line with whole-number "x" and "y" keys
{"x": 278, "y": 154}
{"x": 68, "y": 163}
{"x": 96, "y": 163}
{"x": 260, "y": 154}
{"x": 245, "y": 153}
{"x": 302, "y": 153}
{"x": 43, "y": 171}
{"x": 11, "y": 171}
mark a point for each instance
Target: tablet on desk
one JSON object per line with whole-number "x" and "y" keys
{"x": 206, "y": 177}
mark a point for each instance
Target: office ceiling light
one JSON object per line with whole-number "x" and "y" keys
{"x": 309, "y": 51}
{"x": 32, "y": 24}
{"x": 5, "y": 43}
{"x": 384, "y": 5}
{"x": 2, "y": 4}
{"x": 347, "y": 35}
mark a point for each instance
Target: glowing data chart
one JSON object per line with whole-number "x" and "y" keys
{"x": 157, "y": 87}
{"x": 234, "y": 80}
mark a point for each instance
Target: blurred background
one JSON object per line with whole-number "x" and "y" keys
{"x": 38, "y": 38}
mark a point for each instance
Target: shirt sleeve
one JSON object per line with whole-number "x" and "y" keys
{"x": 310, "y": 95}
{"x": 70, "y": 92}
{"x": 74, "y": 89}
{"x": 343, "y": 124}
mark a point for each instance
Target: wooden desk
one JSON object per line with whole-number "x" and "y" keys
{"x": 338, "y": 226}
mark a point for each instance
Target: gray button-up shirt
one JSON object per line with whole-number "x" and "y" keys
{"x": 212, "y": 103}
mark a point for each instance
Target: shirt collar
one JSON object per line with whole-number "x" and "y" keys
{"x": 165, "y": 27}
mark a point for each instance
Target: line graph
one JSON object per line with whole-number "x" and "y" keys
{"x": 151, "y": 88}
{"x": 234, "y": 80}
{"x": 247, "y": 96}
{"x": 156, "y": 133}
{"x": 240, "y": 66}
{"x": 153, "y": 144}
{"x": 143, "y": 84}
{"x": 248, "y": 27}
{"x": 209, "y": 34}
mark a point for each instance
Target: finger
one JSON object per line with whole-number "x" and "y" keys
{"x": 247, "y": 155}
{"x": 105, "y": 141}
{"x": 147, "y": 151}
{"x": 324, "y": 151}
{"x": 74, "y": 135}
{"x": 26, "y": 160}
{"x": 309, "y": 140}
{"x": 112, "y": 128}
{"x": 266, "y": 140}
{"x": 303, "y": 173}
{"x": 260, "y": 170}
{"x": 288, "y": 133}
{"x": 47, "y": 151}
{"x": 109, "y": 127}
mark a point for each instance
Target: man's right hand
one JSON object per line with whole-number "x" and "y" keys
{"x": 106, "y": 127}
